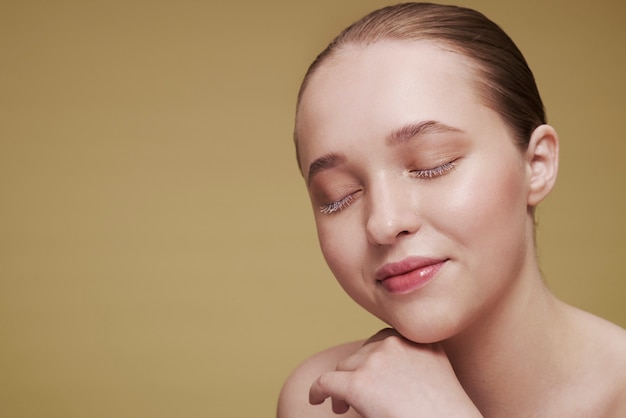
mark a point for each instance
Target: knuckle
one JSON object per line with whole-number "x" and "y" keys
{"x": 358, "y": 386}
{"x": 377, "y": 360}
{"x": 392, "y": 342}
{"x": 342, "y": 365}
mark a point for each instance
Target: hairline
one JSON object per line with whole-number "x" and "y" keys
{"x": 478, "y": 73}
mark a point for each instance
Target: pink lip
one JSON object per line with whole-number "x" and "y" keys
{"x": 409, "y": 274}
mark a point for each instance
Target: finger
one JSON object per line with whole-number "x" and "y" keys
{"x": 340, "y": 406}
{"x": 381, "y": 335}
{"x": 329, "y": 384}
{"x": 353, "y": 362}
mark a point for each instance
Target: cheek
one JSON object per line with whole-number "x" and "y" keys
{"x": 489, "y": 205}
{"x": 335, "y": 239}
{"x": 343, "y": 249}
{"x": 331, "y": 245}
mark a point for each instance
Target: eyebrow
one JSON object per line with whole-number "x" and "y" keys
{"x": 415, "y": 130}
{"x": 399, "y": 136}
{"x": 324, "y": 162}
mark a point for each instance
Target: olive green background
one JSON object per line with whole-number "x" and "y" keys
{"x": 157, "y": 250}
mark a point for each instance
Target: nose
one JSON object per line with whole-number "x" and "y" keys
{"x": 392, "y": 213}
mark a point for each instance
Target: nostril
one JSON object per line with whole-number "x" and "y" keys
{"x": 391, "y": 213}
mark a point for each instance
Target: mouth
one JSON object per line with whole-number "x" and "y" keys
{"x": 409, "y": 274}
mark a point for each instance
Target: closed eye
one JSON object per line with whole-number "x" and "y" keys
{"x": 430, "y": 173}
{"x": 337, "y": 205}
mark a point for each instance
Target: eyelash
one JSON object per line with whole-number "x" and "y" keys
{"x": 434, "y": 172}
{"x": 338, "y": 205}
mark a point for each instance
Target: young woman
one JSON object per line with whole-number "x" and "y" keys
{"x": 422, "y": 140}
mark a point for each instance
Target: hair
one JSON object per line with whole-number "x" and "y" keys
{"x": 504, "y": 81}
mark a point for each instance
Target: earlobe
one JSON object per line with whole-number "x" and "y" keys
{"x": 542, "y": 157}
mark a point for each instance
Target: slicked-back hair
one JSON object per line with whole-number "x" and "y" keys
{"x": 503, "y": 79}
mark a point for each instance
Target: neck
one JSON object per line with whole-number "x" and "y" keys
{"x": 499, "y": 358}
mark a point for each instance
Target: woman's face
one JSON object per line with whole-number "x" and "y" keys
{"x": 419, "y": 193}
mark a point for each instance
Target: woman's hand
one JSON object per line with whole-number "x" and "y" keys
{"x": 391, "y": 376}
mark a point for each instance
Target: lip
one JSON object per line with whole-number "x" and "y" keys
{"x": 408, "y": 275}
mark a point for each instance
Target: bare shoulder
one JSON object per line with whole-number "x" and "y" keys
{"x": 608, "y": 360}
{"x": 616, "y": 367}
{"x": 294, "y": 396}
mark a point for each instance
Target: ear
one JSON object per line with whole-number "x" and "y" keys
{"x": 542, "y": 159}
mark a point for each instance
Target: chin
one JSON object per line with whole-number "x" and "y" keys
{"x": 426, "y": 329}
{"x": 423, "y": 336}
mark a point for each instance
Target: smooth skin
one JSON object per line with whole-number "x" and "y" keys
{"x": 409, "y": 162}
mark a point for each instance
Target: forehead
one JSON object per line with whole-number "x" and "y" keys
{"x": 373, "y": 89}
